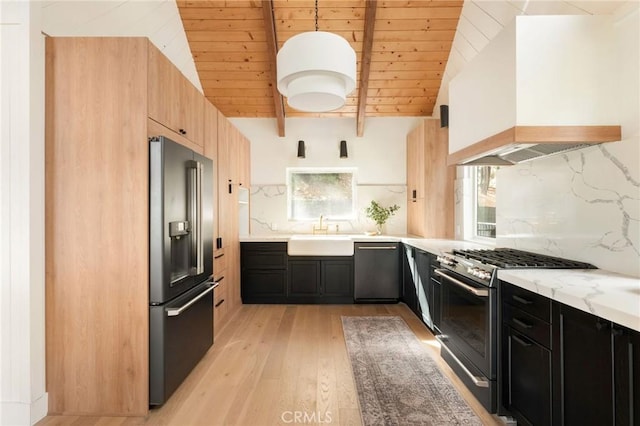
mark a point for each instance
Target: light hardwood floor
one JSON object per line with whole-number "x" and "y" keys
{"x": 271, "y": 361}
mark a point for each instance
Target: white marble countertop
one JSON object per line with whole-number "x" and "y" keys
{"x": 285, "y": 237}
{"x": 435, "y": 246}
{"x": 608, "y": 295}
{"x": 611, "y": 296}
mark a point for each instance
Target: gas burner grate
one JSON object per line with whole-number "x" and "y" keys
{"x": 511, "y": 259}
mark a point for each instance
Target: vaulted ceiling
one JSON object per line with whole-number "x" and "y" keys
{"x": 413, "y": 57}
{"x": 402, "y": 49}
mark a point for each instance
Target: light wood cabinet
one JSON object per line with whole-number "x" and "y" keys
{"x": 102, "y": 103}
{"x": 244, "y": 159}
{"x": 430, "y": 182}
{"x": 225, "y": 183}
{"x": 233, "y": 171}
{"x": 173, "y": 101}
{"x": 415, "y": 163}
{"x": 416, "y": 216}
{"x": 96, "y": 226}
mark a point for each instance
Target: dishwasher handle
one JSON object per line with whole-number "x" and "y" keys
{"x": 377, "y": 248}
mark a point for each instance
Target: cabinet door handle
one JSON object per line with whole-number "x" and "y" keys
{"x": 602, "y": 325}
{"x": 522, "y": 342}
{"x": 219, "y": 303}
{"x": 521, "y": 323}
{"x": 521, "y": 300}
{"x": 617, "y": 331}
{"x": 182, "y": 131}
{"x": 414, "y": 194}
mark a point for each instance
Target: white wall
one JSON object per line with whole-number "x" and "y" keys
{"x": 22, "y": 334}
{"x": 159, "y": 20}
{"x": 379, "y": 156}
{"x": 481, "y": 20}
{"x": 23, "y": 398}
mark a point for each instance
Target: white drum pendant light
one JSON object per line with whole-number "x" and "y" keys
{"x": 316, "y": 70}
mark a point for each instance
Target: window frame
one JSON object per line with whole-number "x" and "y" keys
{"x": 322, "y": 170}
{"x": 474, "y": 218}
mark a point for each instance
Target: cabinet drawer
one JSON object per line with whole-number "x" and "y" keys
{"x": 263, "y": 246}
{"x": 527, "y": 379}
{"x": 220, "y": 293}
{"x": 220, "y": 305}
{"x": 527, "y": 324}
{"x": 219, "y": 264}
{"x": 529, "y": 302}
{"x": 264, "y": 260}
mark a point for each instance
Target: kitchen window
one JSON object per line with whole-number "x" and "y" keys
{"x": 485, "y": 202}
{"x": 315, "y": 192}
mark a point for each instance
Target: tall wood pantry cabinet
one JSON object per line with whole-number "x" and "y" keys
{"x": 233, "y": 173}
{"x": 104, "y": 98}
{"x": 430, "y": 182}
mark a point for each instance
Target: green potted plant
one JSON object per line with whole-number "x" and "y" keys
{"x": 380, "y": 214}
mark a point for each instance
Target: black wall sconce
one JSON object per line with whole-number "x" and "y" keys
{"x": 343, "y": 149}
{"x": 301, "y": 149}
{"x": 444, "y": 115}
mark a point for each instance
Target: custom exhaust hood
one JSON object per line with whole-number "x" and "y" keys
{"x": 525, "y": 143}
{"x": 544, "y": 85}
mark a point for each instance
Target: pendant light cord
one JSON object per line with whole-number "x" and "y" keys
{"x": 316, "y": 15}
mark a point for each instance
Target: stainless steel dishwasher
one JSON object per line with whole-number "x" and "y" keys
{"x": 377, "y": 272}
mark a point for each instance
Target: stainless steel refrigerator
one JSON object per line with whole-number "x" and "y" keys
{"x": 180, "y": 264}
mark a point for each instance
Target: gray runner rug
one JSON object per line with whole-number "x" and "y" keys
{"x": 397, "y": 380}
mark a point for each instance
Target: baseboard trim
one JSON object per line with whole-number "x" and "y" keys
{"x": 39, "y": 408}
{"x": 19, "y": 413}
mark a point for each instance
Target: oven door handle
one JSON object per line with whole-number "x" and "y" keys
{"x": 480, "y": 292}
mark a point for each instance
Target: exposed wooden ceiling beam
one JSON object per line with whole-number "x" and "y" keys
{"x": 365, "y": 63}
{"x": 272, "y": 46}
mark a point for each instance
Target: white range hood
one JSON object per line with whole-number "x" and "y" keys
{"x": 542, "y": 86}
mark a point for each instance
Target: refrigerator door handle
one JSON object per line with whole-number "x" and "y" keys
{"x": 174, "y": 312}
{"x": 195, "y": 215}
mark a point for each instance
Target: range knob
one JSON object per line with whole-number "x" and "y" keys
{"x": 446, "y": 260}
{"x": 479, "y": 273}
{"x": 483, "y": 275}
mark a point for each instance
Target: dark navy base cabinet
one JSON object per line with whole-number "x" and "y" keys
{"x": 320, "y": 280}
{"x": 269, "y": 275}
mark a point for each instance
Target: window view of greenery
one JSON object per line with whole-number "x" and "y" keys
{"x": 486, "y": 201}
{"x": 313, "y": 194}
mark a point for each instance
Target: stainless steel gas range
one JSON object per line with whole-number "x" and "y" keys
{"x": 469, "y": 321}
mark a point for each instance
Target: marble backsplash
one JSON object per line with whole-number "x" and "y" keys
{"x": 268, "y": 213}
{"x": 582, "y": 205}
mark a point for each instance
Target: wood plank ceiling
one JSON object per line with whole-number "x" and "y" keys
{"x": 409, "y": 52}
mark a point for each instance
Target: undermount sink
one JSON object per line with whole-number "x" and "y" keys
{"x": 320, "y": 245}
